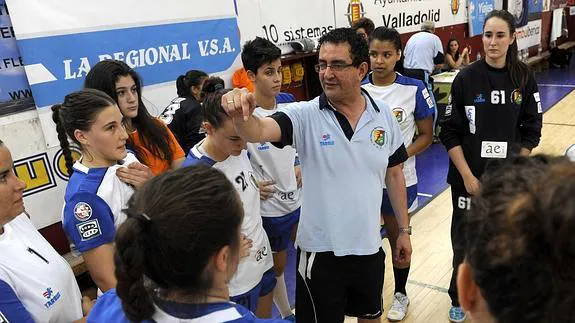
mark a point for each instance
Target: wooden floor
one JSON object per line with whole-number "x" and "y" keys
{"x": 431, "y": 261}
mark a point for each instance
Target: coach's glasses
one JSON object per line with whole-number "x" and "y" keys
{"x": 336, "y": 67}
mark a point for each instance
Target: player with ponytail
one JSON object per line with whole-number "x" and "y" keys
{"x": 95, "y": 195}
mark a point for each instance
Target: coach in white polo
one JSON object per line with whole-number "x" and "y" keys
{"x": 349, "y": 146}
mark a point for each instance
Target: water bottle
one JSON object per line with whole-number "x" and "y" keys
{"x": 478, "y": 56}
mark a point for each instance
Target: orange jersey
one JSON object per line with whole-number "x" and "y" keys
{"x": 157, "y": 164}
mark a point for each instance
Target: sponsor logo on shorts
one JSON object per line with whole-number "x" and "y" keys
{"x": 89, "y": 229}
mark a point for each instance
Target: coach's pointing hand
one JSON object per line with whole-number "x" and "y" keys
{"x": 238, "y": 103}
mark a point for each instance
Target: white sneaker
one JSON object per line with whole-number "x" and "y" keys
{"x": 398, "y": 308}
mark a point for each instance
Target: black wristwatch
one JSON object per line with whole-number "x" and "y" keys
{"x": 405, "y": 230}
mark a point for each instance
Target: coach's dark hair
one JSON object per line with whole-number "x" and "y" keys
{"x": 78, "y": 111}
{"x": 185, "y": 82}
{"x": 175, "y": 223}
{"x": 519, "y": 240}
{"x": 359, "y": 51}
{"x": 212, "y": 110}
{"x": 518, "y": 71}
{"x": 365, "y": 23}
{"x": 154, "y": 136}
{"x": 258, "y": 52}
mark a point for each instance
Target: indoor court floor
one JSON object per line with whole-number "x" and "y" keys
{"x": 431, "y": 261}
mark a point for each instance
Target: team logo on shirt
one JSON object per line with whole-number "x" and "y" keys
{"x": 399, "y": 114}
{"x": 3, "y": 318}
{"x": 516, "y": 97}
{"x": 51, "y": 297}
{"x": 89, "y": 229}
{"x": 378, "y": 137}
{"x": 326, "y": 140}
{"x": 82, "y": 211}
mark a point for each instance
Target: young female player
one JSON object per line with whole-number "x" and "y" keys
{"x": 95, "y": 195}
{"x": 177, "y": 252}
{"x": 183, "y": 114}
{"x": 413, "y": 108}
{"x": 253, "y": 283}
{"x": 494, "y": 113}
{"x": 149, "y": 138}
{"x": 453, "y": 58}
{"x": 36, "y": 283}
{"x": 274, "y": 168}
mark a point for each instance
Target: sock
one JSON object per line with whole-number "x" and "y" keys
{"x": 281, "y": 297}
{"x": 400, "y": 276}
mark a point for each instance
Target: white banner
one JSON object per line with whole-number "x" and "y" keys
{"x": 60, "y": 41}
{"x": 284, "y": 21}
{"x": 403, "y": 15}
{"x": 530, "y": 35}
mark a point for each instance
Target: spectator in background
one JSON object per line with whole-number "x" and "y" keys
{"x": 455, "y": 60}
{"x": 364, "y": 26}
{"x": 182, "y": 114}
{"x": 423, "y": 53}
{"x": 422, "y": 56}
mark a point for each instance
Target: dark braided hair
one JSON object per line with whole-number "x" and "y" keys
{"x": 176, "y": 222}
{"x": 78, "y": 111}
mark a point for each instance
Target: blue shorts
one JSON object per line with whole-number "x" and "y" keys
{"x": 279, "y": 229}
{"x": 249, "y": 300}
{"x": 386, "y": 207}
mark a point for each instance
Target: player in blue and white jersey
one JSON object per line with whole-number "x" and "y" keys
{"x": 276, "y": 169}
{"x": 223, "y": 149}
{"x": 95, "y": 195}
{"x": 413, "y": 108}
{"x": 177, "y": 252}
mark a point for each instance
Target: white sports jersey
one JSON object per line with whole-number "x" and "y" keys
{"x": 35, "y": 281}
{"x": 94, "y": 200}
{"x": 271, "y": 163}
{"x": 409, "y": 101}
{"x": 239, "y": 171}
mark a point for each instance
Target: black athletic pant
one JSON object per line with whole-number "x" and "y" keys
{"x": 461, "y": 201}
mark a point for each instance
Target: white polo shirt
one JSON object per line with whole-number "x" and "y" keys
{"x": 344, "y": 178}
{"x": 420, "y": 50}
{"x": 36, "y": 283}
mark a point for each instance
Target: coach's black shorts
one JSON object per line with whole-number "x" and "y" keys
{"x": 330, "y": 287}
